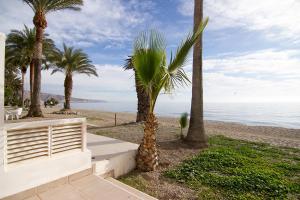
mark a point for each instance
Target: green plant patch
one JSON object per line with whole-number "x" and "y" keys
{"x": 136, "y": 181}
{"x": 242, "y": 170}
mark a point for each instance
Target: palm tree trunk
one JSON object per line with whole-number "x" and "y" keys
{"x": 68, "y": 91}
{"x": 147, "y": 156}
{"x": 22, "y": 95}
{"x": 31, "y": 78}
{"x": 196, "y": 133}
{"x": 35, "y": 107}
{"x": 143, "y": 102}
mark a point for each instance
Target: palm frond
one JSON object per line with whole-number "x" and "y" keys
{"x": 149, "y": 62}
{"x": 128, "y": 63}
{"x": 20, "y": 46}
{"x": 149, "y": 54}
{"x": 183, "y": 50}
{"x": 47, "y": 6}
{"x": 71, "y": 61}
{"x": 176, "y": 73}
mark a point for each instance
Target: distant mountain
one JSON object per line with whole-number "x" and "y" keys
{"x": 61, "y": 98}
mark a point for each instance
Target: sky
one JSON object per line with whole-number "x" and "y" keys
{"x": 251, "y": 47}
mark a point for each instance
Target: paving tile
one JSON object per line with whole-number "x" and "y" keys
{"x": 81, "y": 174}
{"x": 33, "y": 198}
{"x": 21, "y": 195}
{"x": 95, "y": 188}
{"x": 65, "y": 192}
{"x": 52, "y": 185}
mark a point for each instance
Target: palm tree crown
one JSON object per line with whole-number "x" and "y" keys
{"x": 20, "y": 46}
{"x": 53, "y": 5}
{"x": 42, "y": 7}
{"x": 149, "y": 61}
{"x": 72, "y": 61}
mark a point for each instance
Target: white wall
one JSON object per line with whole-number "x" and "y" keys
{"x": 21, "y": 176}
{"x": 36, "y": 173}
{"x": 2, "y": 53}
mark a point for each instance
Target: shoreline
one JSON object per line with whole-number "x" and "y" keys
{"x": 218, "y": 118}
{"x": 169, "y": 128}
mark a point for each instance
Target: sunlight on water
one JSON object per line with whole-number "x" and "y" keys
{"x": 263, "y": 114}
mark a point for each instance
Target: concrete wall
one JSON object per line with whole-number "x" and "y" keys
{"x": 21, "y": 176}
{"x": 36, "y": 173}
{"x": 2, "y": 55}
{"x": 118, "y": 165}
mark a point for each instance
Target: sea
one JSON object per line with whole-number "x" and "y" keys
{"x": 285, "y": 115}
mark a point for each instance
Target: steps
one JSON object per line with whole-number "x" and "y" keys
{"x": 111, "y": 157}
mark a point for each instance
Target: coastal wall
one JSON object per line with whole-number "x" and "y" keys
{"x": 2, "y": 55}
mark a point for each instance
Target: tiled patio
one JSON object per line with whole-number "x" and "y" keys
{"x": 87, "y": 188}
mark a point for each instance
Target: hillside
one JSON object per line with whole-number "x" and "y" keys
{"x": 61, "y": 98}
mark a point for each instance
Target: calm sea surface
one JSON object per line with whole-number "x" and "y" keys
{"x": 263, "y": 114}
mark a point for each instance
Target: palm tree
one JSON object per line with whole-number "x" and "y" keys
{"x": 17, "y": 57}
{"x": 12, "y": 83}
{"x": 142, "y": 96}
{"x": 20, "y": 49}
{"x": 154, "y": 75}
{"x": 41, "y": 8}
{"x": 196, "y": 134}
{"x": 71, "y": 61}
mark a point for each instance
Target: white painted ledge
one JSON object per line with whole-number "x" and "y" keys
{"x": 20, "y": 176}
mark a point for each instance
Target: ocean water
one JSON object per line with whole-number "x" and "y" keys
{"x": 262, "y": 114}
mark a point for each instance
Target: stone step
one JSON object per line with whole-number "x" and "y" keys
{"x": 111, "y": 157}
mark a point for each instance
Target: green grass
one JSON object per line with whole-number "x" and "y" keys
{"x": 235, "y": 169}
{"x": 136, "y": 181}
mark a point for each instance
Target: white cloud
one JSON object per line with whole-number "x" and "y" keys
{"x": 275, "y": 64}
{"x": 261, "y": 76}
{"x": 222, "y": 88}
{"x": 98, "y": 21}
{"x": 112, "y": 84}
{"x": 276, "y": 18}
{"x": 264, "y": 76}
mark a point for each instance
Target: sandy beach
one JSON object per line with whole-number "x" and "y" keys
{"x": 172, "y": 151}
{"x": 103, "y": 123}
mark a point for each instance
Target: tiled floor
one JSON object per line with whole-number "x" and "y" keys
{"x": 87, "y": 188}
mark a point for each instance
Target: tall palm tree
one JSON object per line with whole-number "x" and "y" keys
{"x": 71, "y": 61}
{"x": 196, "y": 134}
{"x": 41, "y": 8}
{"x": 142, "y": 96}
{"x": 154, "y": 75}
{"x": 20, "y": 49}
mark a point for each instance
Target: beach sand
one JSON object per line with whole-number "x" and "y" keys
{"x": 103, "y": 123}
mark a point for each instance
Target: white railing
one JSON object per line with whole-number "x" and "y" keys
{"x": 42, "y": 139}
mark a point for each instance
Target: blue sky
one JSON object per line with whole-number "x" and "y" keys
{"x": 251, "y": 47}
